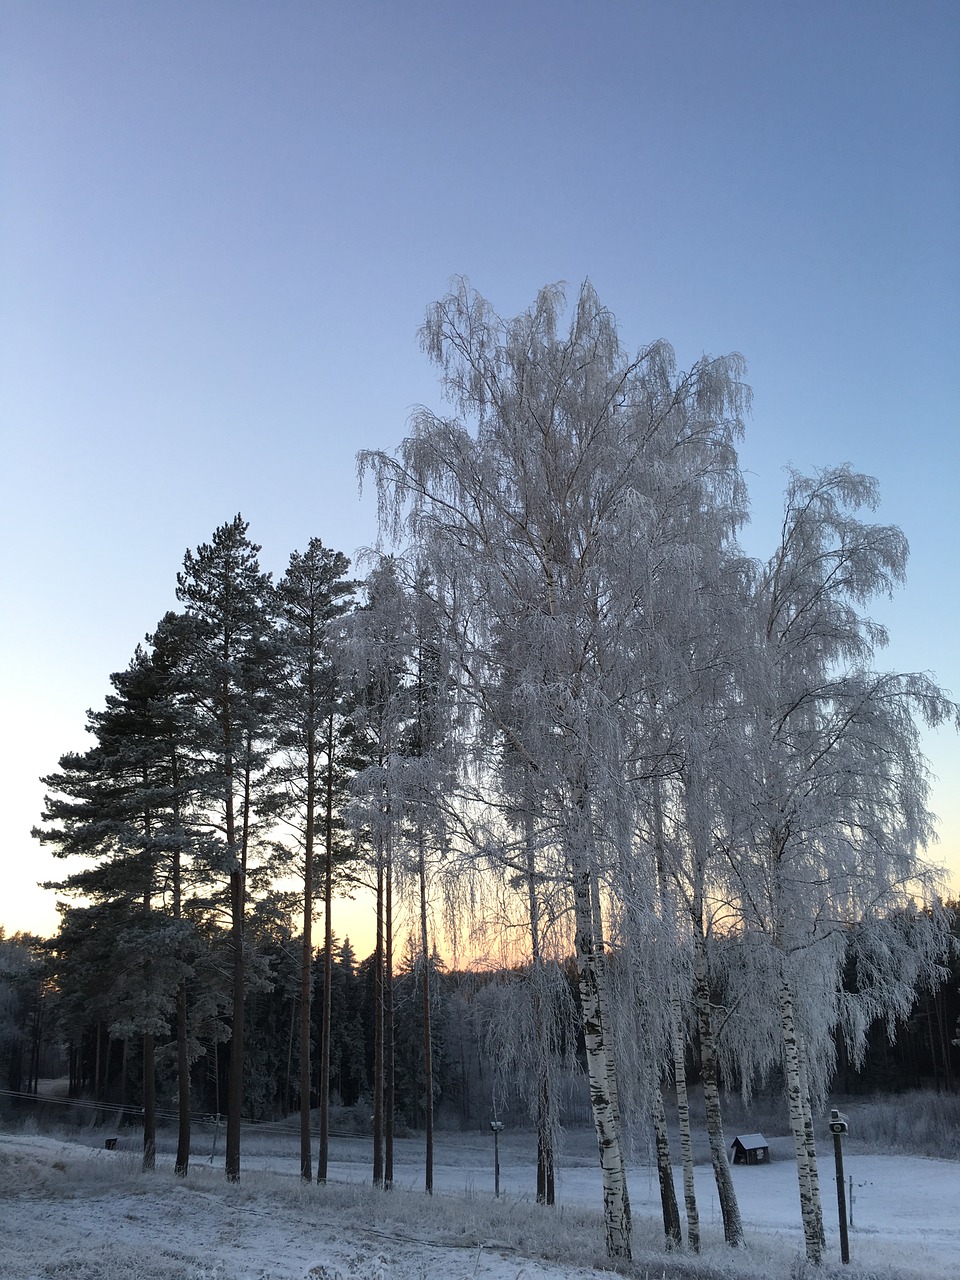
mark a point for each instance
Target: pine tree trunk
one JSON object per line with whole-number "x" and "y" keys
{"x": 97, "y": 1084}
{"x": 183, "y": 1086}
{"x": 616, "y": 1211}
{"x": 237, "y": 893}
{"x": 36, "y": 1041}
{"x": 326, "y": 1025}
{"x": 235, "y": 1067}
{"x": 389, "y": 1092}
{"x": 149, "y": 1104}
{"x": 683, "y": 1117}
{"x": 726, "y": 1193}
{"x": 182, "y": 1161}
{"x": 306, "y": 976}
{"x": 378, "y": 1037}
{"x": 810, "y": 1211}
{"x": 668, "y": 1195}
{"x": 427, "y": 1047}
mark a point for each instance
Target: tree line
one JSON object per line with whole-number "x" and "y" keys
{"x": 569, "y": 713}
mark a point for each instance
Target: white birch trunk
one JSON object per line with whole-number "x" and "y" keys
{"x": 616, "y": 1212}
{"x": 668, "y": 1195}
{"x": 683, "y": 1117}
{"x": 811, "y": 1213}
{"x": 546, "y": 1182}
{"x": 813, "y": 1171}
{"x": 729, "y": 1208}
{"x": 605, "y": 1019}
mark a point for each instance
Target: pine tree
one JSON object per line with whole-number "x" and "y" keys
{"x": 120, "y": 803}
{"x": 313, "y": 597}
{"x": 232, "y": 668}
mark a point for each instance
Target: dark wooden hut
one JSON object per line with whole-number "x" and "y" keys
{"x": 750, "y": 1148}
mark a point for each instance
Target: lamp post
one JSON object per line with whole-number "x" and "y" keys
{"x": 838, "y": 1127}
{"x": 497, "y": 1128}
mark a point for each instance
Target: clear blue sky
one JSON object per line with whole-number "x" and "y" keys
{"x": 221, "y": 224}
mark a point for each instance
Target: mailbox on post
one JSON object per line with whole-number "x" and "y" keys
{"x": 497, "y": 1128}
{"x": 838, "y": 1127}
{"x": 838, "y": 1122}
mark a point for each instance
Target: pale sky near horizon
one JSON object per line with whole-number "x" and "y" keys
{"x": 221, "y": 225}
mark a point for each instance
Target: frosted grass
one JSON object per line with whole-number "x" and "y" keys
{"x": 84, "y": 1213}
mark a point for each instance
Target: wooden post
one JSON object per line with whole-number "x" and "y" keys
{"x": 496, "y": 1126}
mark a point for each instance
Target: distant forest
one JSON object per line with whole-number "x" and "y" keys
{"x": 46, "y": 1034}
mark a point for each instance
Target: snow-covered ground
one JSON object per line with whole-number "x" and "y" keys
{"x": 71, "y": 1209}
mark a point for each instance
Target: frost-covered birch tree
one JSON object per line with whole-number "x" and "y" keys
{"x": 829, "y": 813}
{"x": 379, "y": 644}
{"x": 547, "y": 525}
{"x": 696, "y": 730}
{"x": 423, "y": 784}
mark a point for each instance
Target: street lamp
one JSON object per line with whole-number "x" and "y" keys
{"x": 497, "y": 1127}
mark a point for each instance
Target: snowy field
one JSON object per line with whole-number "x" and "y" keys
{"x": 71, "y": 1209}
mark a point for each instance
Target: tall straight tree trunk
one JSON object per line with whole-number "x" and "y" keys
{"x": 726, "y": 1193}
{"x": 183, "y": 1085}
{"x": 616, "y": 1212}
{"x": 182, "y": 1162}
{"x": 389, "y": 1054}
{"x": 427, "y": 1046}
{"x": 546, "y": 1187}
{"x": 97, "y": 1086}
{"x": 235, "y": 1067}
{"x": 606, "y": 1021}
{"x": 378, "y": 1036}
{"x": 668, "y": 1195}
{"x": 677, "y": 1042}
{"x": 149, "y": 1103}
{"x": 306, "y": 977}
{"x": 36, "y": 1037}
{"x": 809, "y": 1140}
{"x": 683, "y": 1117}
{"x": 149, "y": 1049}
{"x": 811, "y": 1214}
{"x": 237, "y": 911}
{"x": 546, "y": 1182}
{"x": 325, "y": 1021}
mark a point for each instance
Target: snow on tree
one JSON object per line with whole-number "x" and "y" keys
{"x": 554, "y": 531}
{"x": 378, "y": 644}
{"x": 828, "y": 815}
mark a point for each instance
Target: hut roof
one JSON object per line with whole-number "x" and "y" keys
{"x": 751, "y": 1141}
